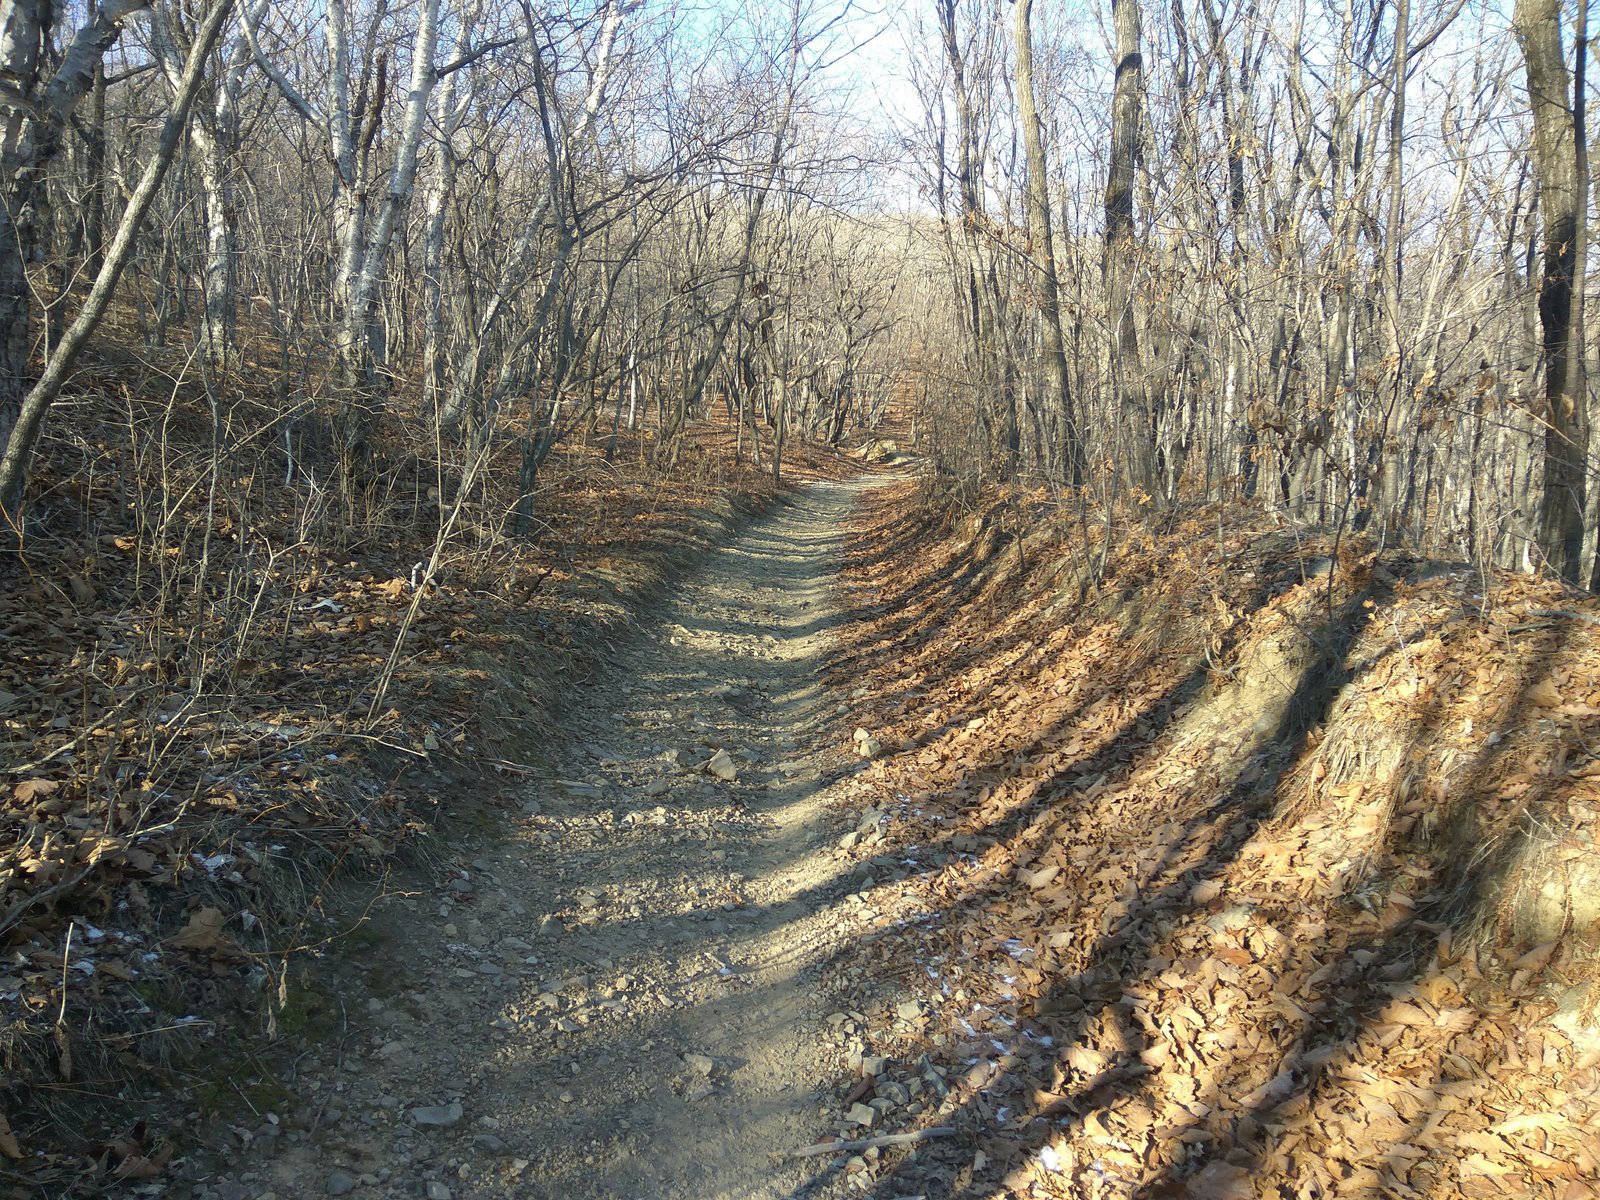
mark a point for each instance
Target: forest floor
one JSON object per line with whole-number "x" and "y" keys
{"x": 616, "y": 993}
{"x": 927, "y": 845}
{"x": 1238, "y": 859}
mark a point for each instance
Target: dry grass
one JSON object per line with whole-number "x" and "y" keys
{"x": 228, "y": 675}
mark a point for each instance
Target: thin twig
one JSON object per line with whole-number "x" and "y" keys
{"x": 515, "y": 768}
{"x": 1566, "y": 614}
{"x": 66, "y": 951}
{"x": 16, "y": 912}
{"x": 104, "y": 723}
{"x": 195, "y": 1024}
{"x": 367, "y": 737}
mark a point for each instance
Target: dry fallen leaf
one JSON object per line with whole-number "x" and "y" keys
{"x": 1086, "y": 1060}
{"x": 30, "y": 790}
{"x": 1205, "y": 893}
{"x": 1545, "y": 694}
{"x": 1536, "y": 959}
{"x": 9, "y": 1146}
{"x": 1221, "y": 1181}
{"x": 144, "y": 1166}
{"x": 204, "y": 932}
{"x": 1040, "y": 878}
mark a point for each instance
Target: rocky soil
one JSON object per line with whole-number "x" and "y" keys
{"x": 618, "y": 994}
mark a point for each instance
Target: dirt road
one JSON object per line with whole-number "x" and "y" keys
{"x": 614, "y": 997}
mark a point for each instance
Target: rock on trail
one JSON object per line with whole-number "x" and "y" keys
{"x": 614, "y": 996}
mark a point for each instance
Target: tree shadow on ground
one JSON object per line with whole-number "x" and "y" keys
{"x": 1254, "y": 1084}
{"x": 1088, "y": 1006}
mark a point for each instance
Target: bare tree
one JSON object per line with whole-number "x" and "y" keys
{"x": 1042, "y": 238}
{"x": 1127, "y": 120}
{"x": 1563, "y": 205}
{"x": 41, "y": 91}
{"x": 214, "y": 140}
{"x": 22, "y": 435}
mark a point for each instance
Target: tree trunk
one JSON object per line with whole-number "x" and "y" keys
{"x": 367, "y": 237}
{"x": 30, "y": 139}
{"x": 95, "y": 166}
{"x": 221, "y": 274}
{"x": 467, "y": 382}
{"x": 1058, "y": 381}
{"x": 448, "y": 115}
{"x": 1127, "y": 101}
{"x": 1562, "y": 197}
{"x": 214, "y": 143}
{"x": 22, "y": 436}
{"x": 978, "y": 288}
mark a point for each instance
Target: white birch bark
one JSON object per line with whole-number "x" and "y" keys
{"x": 35, "y": 104}
{"x": 349, "y": 217}
{"x": 361, "y": 335}
{"x": 23, "y": 436}
{"x": 449, "y": 112}
{"x": 468, "y": 380}
{"x": 214, "y": 144}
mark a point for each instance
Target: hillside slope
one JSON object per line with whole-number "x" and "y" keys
{"x": 1252, "y": 864}
{"x": 226, "y": 682}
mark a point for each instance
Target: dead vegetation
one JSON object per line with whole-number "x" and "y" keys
{"x": 1258, "y": 863}
{"x": 227, "y": 676}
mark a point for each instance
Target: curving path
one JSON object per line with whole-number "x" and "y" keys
{"x": 615, "y": 998}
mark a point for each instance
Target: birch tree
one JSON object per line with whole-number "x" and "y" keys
{"x": 1041, "y": 236}
{"x": 41, "y": 89}
{"x": 1127, "y": 119}
{"x": 365, "y": 216}
{"x": 22, "y": 434}
{"x": 214, "y": 141}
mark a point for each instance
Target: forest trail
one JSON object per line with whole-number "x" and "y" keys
{"x": 612, "y": 998}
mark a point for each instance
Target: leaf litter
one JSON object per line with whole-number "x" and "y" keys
{"x": 192, "y": 752}
{"x": 1259, "y": 865}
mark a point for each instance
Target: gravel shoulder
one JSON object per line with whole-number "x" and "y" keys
{"x": 616, "y": 995}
